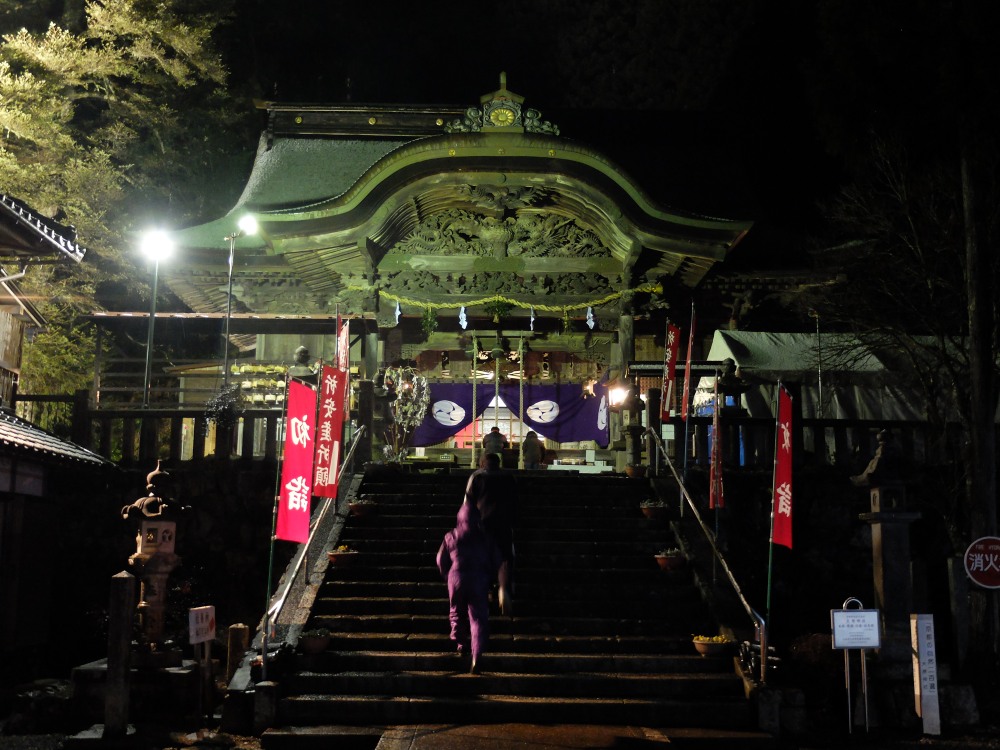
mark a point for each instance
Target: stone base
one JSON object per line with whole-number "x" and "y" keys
{"x": 158, "y": 693}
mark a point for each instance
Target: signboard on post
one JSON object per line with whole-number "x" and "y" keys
{"x": 201, "y": 624}
{"x": 982, "y": 562}
{"x": 855, "y": 628}
{"x": 925, "y": 687}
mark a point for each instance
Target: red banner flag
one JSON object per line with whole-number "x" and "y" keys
{"x": 296, "y": 470}
{"x": 343, "y": 345}
{"x": 344, "y": 361}
{"x": 329, "y": 430}
{"x": 716, "y": 496}
{"x": 781, "y": 506}
{"x": 686, "y": 402}
{"x": 671, "y": 346}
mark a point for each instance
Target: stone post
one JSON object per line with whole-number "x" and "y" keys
{"x": 236, "y": 646}
{"x": 121, "y": 610}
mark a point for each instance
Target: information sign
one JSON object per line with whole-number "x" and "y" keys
{"x": 201, "y": 624}
{"x": 855, "y": 628}
{"x": 925, "y": 672}
{"x": 982, "y": 562}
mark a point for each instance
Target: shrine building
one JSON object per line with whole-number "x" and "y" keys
{"x": 479, "y": 244}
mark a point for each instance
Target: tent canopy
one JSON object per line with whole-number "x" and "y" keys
{"x": 837, "y": 377}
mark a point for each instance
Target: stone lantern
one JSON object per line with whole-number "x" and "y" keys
{"x": 154, "y": 558}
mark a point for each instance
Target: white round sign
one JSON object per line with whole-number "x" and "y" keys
{"x": 543, "y": 412}
{"x": 447, "y": 413}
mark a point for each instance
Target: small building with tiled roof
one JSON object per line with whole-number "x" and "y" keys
{"x": 38, "y": 470}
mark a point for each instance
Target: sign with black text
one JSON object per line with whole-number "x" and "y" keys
{"x": 855, "y": 628}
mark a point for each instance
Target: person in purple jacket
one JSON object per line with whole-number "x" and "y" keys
{"x": 468, "y": 559}
{"x": 494, "y": 492}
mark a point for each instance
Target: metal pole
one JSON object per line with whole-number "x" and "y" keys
{"x": 149, "y": 335}
{"x": 229, "y": 308}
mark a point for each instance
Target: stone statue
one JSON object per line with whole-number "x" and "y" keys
{"x": 300, "y": 368}
{"x": 158, "y": 503}
{"x": 885, "y": 467}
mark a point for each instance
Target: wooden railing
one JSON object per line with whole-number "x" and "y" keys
{"x": 749, "y": 442}
{"x": 129, "y": 435}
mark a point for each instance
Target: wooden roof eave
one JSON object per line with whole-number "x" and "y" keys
{"x": 521, "y": 159}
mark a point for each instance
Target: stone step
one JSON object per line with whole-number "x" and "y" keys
{"x": 439, "y": 643}
{"x": 478, "y": 707}
{"x": 648, "y": 607}
{"x": 530, "y": 588}
{"x": 517, "y": 662}
{"x": 540, "y": 575}
{"x": 444, "y": 518}
{"x": 600, "y": 633}
{"x": 637, "y": 533}
{"x": 497, "y": 680}
{"x": 679, "y": 623}
{"x": 524, "y": 735}
{"x": 604, "y": 552}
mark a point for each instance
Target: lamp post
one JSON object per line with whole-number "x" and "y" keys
{"x": 156, "y": 245}
{"x": 246, "y": 225}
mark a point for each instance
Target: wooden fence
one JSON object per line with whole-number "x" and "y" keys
{"x": 182, "y": 434}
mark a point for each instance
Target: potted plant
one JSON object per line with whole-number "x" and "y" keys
{"x": 653, "y": 508}
{"x": 362, "y": 506}
{"x": 636, "y": 471}
{"x": 314, "y": 641}
{"x": 225, "y": 408}
{"x": 342, "y": 555}
{"x": 712, "y": 645}
{"x": 408, "y": 397}
{"x": 670, "y": 559}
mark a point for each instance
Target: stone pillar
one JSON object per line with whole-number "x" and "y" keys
{"x": 890, "y": 528}
{"x": 236, "y": 645}
{"x": 116, "y": 693}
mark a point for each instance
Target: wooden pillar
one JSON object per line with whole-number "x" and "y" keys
{"x": 890, "y": 527}
{"x": 653, "y": 422}
{"x": 370, "y": 355}
{"x": 80, "y": 427}
{"x": 366, "y": 419}
{"x": 626, "y": 338}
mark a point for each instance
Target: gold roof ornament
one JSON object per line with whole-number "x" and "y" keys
{"x": 501, "y": 110}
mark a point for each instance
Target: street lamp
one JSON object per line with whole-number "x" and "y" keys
{"x": 156, "y": 245}
{"x": 246, "y": 225}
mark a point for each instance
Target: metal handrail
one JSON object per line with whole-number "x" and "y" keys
{"x": 274, "y": 611}
{"x": 760, "y": 625}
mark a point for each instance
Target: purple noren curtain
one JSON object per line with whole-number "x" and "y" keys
{"x": 559, "y": 412}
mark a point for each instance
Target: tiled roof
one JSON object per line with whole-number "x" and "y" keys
{"x": 25, "y": 234}
{"x": 20, "y": 437}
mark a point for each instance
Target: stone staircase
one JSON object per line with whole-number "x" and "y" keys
{"x": 599, "y": 634}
